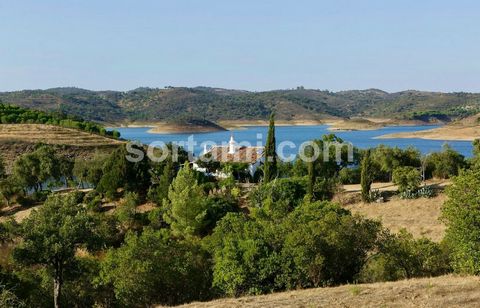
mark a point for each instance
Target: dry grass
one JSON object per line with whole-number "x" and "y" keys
{"x": 445, "y": 291}
{"x": 238, "y": 124}
{"x": 355, "y": 124}
{"x": 467, "y": 129}
{"x": 50, "y": 134}
{"x": 18, "y": 139}
{"x": 419, "y": 216}
{"x": 368, "y": 123}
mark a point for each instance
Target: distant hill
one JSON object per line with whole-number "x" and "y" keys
{"x": 215, "y": 104}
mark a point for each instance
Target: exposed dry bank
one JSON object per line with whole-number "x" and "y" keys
{"x": 443, "y": 291}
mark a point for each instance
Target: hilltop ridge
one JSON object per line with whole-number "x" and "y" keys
{"x": 217, "y": 104}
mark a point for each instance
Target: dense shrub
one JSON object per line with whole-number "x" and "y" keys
{"x": 349, "y": 175}
{"x": 446, "y": 163}
{"x": 461, "y": 213}
{"x": 316, "y": 244}
{"x": 401, "y": 256}
{"x": 283, "y": 195}
{"x": 408, "y": 179}
{"x": 152, "y": 268}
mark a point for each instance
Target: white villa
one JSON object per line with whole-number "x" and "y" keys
{"x": 234, "y": 153}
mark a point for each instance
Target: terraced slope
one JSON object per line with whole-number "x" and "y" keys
{"x": 17, "y": 139}
{"x": 50, "y": 134}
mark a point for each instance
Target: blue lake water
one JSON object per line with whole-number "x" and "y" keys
{"x": 300, "y": 134}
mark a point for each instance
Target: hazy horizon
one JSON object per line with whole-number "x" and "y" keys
{"x": 249, "y": 45}
{"x": 233, "y": 89}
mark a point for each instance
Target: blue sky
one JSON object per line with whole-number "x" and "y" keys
{"x": 247, "y": 44}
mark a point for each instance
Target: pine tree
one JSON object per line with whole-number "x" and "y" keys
{"x": 186, "y": 207}
{"x": 366, "y": 176}
{"x": 270, "y": 165}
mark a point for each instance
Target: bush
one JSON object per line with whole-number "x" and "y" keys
{"x": 152, "y": 268}
{"x": 126, "y": 210}
{"x": 349, "y": 176}
{"x": 409, "y": 194}
{"x": 426, "y": 192}
{"x": 407, "y": 179}
{"x": 317, "y": 244}
{"x": 375, "y": 195}
{"x": 401, "y": 256}
{"x": 283, "y": 194}
{"x": 93, "y": 200}
{"x": 446, "y": 163}
{"x": 461, "y": 213}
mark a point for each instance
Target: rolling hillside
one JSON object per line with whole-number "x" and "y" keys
{"x": 164, "y": 105}
{"x": 17, "y": 139}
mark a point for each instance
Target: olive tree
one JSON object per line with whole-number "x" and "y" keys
{"x": 51, "y": 236}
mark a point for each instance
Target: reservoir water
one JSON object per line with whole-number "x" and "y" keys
{"x": 299, "y": 134}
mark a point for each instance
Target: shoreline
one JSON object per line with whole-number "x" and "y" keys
{"x": 446, "y": 133}
{"x": 334, "y": 125}
{"x": 239, "y": 124}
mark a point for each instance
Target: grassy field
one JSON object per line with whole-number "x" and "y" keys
{"x": 421, "y": 216}
{"x": 444, "y": 291}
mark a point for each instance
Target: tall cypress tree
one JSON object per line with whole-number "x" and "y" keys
{"x": 270, "y": 165}
{"x": 311, "y": 174}
{"x": 366, "y": 176}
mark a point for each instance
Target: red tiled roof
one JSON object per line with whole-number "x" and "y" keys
{"x": 241, "y": 155}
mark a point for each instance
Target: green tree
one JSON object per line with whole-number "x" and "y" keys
{"x": 9, "y": 187}
{"x": 270, "y": 154}
{"x": 324, "y": 244}
{"x": 152, "y": 268}
{"x": 367, "y": 175}
{"x": 159, "y": 190}
{"x": 3, "y": 173}
{"x": 90, "y": 171}
{"x": 65, "y": 169}
{"x": 446, "y": 163}
{"x": 400, "y": 256}
{"x": 246, "y": 255}
{"x": 476, "y": 153}
{"x": 279, "y": 197}
{"x": 127, "y": 209}
{"x": 311, "y": 176}
{"x": 51, "y": 236}
{"x": 119, "y": 172}
{"x": 407, "y": 178}
{"x": 388, "y": 159}
{"x": 186, "y": 206}
{"x": 34, "y": 169}
{"x": 48, "y": 164}
{"x": 26, "y": 171}
{"x": 314, "y": 245}
{"x": 323, "y": 167}
{"x": 461, "y": 213}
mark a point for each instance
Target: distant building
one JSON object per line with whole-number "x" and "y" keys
{"x": 234, "y": 153}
